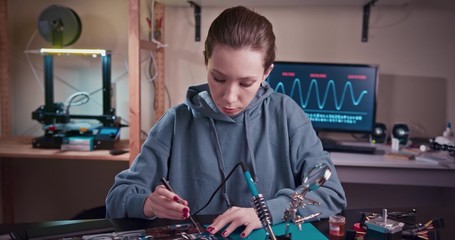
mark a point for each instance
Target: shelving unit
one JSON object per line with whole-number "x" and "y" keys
{"x": 8, "y": 152}
{"x": 5, "y": 81}
{"x": 5, "y": 111}
{"x": 135, "y": 45}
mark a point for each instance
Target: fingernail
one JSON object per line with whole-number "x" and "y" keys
{"x": 185, "y": 210}
{"x": 185, "y": 215}
{"x": 224, "y": 234}
{"x": 209, "y": 229}
{"x": 176, "y": 198}
{"x": 242, "y": 235}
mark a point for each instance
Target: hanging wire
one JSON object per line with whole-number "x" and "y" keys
{"x": 30, "y": 62}
{"x": 81, "y": 97}
{"x": 217, "y": 189}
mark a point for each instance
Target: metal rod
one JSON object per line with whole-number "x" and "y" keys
{"x": 168, "y": 187}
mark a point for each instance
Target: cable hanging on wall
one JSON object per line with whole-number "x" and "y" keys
{"x": 197, "y": 20}
{"x": 155, "y": 35}
{"x": 366, "y": 19}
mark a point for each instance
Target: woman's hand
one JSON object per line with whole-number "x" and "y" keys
{"x": 235, "y": 217}
{"x": 163, "y": 203}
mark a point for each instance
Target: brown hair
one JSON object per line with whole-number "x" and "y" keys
{"x": 240, "y": 27}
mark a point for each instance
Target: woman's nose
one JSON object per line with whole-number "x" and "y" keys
{"x": 230, "y": 94}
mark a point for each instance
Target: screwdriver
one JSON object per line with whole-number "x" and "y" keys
{"x": 168, "y": 187}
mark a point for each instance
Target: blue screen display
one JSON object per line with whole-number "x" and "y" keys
{"x": 108, "y": 131}
{"x": 336, "y": 97}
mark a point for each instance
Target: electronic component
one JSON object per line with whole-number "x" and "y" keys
{"x": 77, "y": 143}
{"x": 379, "y": 134}
{"x": 446, "y": 142}
{"x": 442, "y": 147}
{"x": 62, "y": 27}
{"x": 383, "y": 228}
{"x": 337, "y": 97}
{"x": 183, "y": 231}
{"x": 168, "y": 187}
{"x": 400, "y": 131}
{"x": 429, "y": 230}
{"x": 106, "y": 137}
{"x": 331, "y": 145}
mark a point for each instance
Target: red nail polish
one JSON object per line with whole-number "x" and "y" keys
{"x": 209, "y": 229}
{"x": 243, "y": 235}
{"x": 224, "y": 234}
{"x": 176, "y": 198}
{"x": 185, "y": 210}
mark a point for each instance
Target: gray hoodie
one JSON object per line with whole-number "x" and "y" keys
{"x": 195, "y": 147}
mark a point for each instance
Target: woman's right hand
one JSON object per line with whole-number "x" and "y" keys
{"x": 163, "y": 203}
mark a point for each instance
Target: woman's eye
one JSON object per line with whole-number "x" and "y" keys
{"x": 218, "y": 80}
{"x": 249, "y": 84}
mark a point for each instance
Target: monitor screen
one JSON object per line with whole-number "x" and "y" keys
{"x": 336, "y": 97}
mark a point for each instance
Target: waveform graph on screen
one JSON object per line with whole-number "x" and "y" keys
{"x": 331, "y": 91}
{"x": 335, "y": 97}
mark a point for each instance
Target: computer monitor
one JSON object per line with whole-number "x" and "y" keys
{"x": 337, "y": 97}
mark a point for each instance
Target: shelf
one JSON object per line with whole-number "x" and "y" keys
{"x": 21, "y": 147}
{"x": 281, "y": 3}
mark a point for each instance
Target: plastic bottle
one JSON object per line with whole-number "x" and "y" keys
{"x": 448, "y": 132}
{"x": 447, "y": 137}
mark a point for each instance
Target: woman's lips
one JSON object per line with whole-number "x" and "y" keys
{"x": 230, "y": 111}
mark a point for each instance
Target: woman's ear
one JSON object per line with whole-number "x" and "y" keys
{"x": 267, "y": 72}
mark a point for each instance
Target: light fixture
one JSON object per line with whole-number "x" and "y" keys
{"x": 56, "y": 51}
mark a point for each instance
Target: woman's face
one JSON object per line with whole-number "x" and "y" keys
{"x": 234, "y": 77}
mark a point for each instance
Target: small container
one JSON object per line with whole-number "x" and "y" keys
{"x": 337, "y": 225}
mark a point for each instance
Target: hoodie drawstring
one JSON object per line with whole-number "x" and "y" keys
{"x": 220, "y": 162}
{"x": 249, "y": 146}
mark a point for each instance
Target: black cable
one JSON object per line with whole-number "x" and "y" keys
{"x": 443, "y": 147}
{"x": 217, "y": 189}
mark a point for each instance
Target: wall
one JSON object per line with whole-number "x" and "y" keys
{"x": 412, "y": 44}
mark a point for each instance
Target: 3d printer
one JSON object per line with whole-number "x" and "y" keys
{"x": 61, "y": 26}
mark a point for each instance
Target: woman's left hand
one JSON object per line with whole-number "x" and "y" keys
{"x": 233, "y": 218}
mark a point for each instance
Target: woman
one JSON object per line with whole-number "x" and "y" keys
{"x": 235, "y": 117}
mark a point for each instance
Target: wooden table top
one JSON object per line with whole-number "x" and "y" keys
{"x": 21, "y": 147}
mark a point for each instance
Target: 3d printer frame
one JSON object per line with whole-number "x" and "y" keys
{"x": 52, "y": 113}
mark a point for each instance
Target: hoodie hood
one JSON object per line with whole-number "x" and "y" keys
{"x": 198, "y": 98}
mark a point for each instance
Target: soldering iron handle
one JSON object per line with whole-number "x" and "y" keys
{"x": 258, "y": 203}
